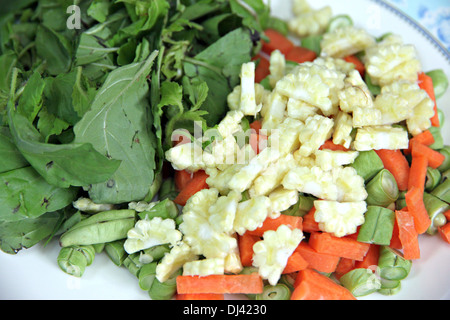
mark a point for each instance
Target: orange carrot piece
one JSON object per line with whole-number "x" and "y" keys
{"x": 445, "y": 232}
{"x": 182, "y": 178}
{"x": 418, "y": 172}
{"x": 447, "y": 215}
{"x": 245, "y": 243}
{"x": 425, "y": 138}
{"x": 300, "y": 55}
{"x": 258, "y": 142}
{"x": 318, "y": 261}
{"x": 396, "y": 163}
{"x": 330, "y": 145}
{"x": 349, "y": 248}
{"x": 435, "y": 158}
{"x": 262, "y": 69}
{"x": 309, "y": 222}
{"x": 358, "y": 64}
{"x": 426, "y": 84}
{"x": 256, "y": 125}
{"x": 408, "y": 235}
{"x": 273, "y": 224}
{"x": 345, "y": 265}
{"x": 197, "y": 184}
{"x": 221, "y": 284}
{"x": 416, "y": 207}
{"x": 200, "y": 296}
{"x": 295, "y": 263}
{"x": 395, "y": 240}
{"x": 277, "y": 42}
{"x": 311, "y": 285}
{"x": 370, "y": 261}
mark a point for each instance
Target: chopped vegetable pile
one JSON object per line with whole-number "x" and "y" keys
{"x": 319, "y": 165}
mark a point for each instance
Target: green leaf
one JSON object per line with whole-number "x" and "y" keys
{"x": 119, "y": 126}
{"x": 219, "y": 66}
{"x": 50, "y": 125}
{"x": 55, "y": 49}
{"x": 25, "y": 194}
{"x": 25, "y": 233}
{"x": 99, "y": 10}
{"x": 31, "y": 99}
{"x": 11, "y": 157}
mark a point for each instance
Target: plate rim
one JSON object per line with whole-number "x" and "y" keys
{"x": 416, "y": 25}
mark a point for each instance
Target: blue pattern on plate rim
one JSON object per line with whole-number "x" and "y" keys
{"x": 441, "y": 26}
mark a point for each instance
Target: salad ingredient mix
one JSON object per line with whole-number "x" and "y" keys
{"x": 319, "y": 164}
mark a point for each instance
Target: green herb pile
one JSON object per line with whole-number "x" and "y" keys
{"x": 89, "y": 111}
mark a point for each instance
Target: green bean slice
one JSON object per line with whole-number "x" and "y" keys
{"x": 277, "y": 292}
{"x": 147, "y": 275}
{"x": 72, "y": 261}
{"x": 389, "y": 287}
{"x": 116, "y": 252}
{"x": 368, "y": 164}
{"x": 339, "y": 21}
{"x": 440, "y": 82}
{"x": 435, "y": 208}
{"x": 382, "y": 189}
{"x": 360, "y": 282}
{"x": 442, "y": 191}
{"x": 433, "y": 179}
{"x": 164, "y": 290}
{"x": 446, "y": 165}
{"x": 378, "y": 226}
{"x": 392, "y": 264}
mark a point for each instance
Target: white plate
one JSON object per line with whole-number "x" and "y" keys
{"x": 34, "y": 273}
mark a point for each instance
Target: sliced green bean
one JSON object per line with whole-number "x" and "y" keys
{"x": 287, "y": 280}
{"x": 339, "y": 21}
{"x": 374, "y": 89}
{"x": 147, "y": 276}
{"x": 392, "y": 264}
{"x": 433, "y": 179}
{"x": 168, "y": 190}
{"x": 154, "y": 188}
{"x": 401, "y": 201}
{"x": 277, "y": 292}
{"x": 378, "y": 226}
{"x": 132, "y": 263}
{"x": 99, "y": 247}
{"x": 441, "y": 116}
{"x": 102, "y": 227}
{"x": 368, "y": 164}
{"x": 74, "y": 260}
{"x": 442, "y": 191}
{"x": 445, "y": 176}
{"x": 116, "y": 252}
{"x": 440, "y": 82}
{"x": 382, "y": 190}
{"x": 164, "y": 290}
{"x": 313, "y": 43}
{"x": 446, "y": 153}
{"x": 302, "y": 207}
{"x": 155, "y": 253}
{"x": 436, "y": 209}
{"x": 389, "y": 287}
{"x": 166, "y": 209}
{"x": 438, "y": 138}
{"x": 360, "y": 282}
